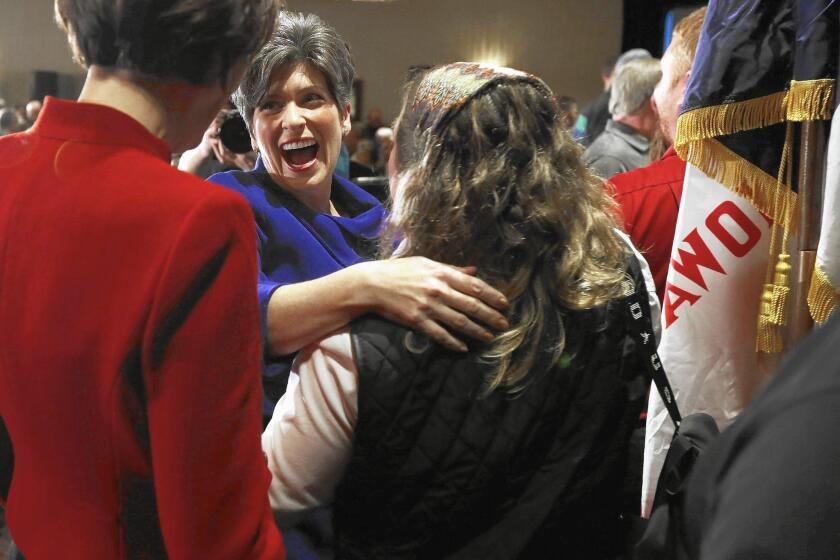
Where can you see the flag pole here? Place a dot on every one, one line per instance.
(811, 176)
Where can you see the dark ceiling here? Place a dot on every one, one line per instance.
(644, 22)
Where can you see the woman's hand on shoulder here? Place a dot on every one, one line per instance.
(428, 296)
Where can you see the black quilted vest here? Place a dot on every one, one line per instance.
(437, 471)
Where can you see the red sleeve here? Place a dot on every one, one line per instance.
(624, 203)
(202, 364)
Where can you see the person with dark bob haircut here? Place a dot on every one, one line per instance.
(317, 231)
(130, 364)
(517, 448)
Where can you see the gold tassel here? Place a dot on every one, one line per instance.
(822, 296)
(772, 316)
(773, 313)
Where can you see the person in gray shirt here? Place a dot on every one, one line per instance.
(625, 142)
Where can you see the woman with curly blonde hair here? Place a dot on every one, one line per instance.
(520, 444)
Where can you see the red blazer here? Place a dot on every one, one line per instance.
(130, 356)
(649, 198)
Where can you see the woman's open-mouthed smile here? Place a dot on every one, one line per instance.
(297, 129)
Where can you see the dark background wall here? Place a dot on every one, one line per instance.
(644, 22)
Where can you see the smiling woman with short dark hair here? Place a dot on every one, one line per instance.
(317, 231)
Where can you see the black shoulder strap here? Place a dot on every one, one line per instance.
(641, 328)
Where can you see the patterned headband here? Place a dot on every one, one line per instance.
(446, 88)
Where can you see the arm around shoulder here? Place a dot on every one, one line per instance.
(414, 291)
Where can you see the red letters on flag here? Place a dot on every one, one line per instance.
(739, 240)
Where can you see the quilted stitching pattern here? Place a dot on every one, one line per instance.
(435, 468)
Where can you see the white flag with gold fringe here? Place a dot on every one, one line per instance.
(711, 302)
(824, 293)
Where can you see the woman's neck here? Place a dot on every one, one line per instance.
(120, 92)
(318, 199)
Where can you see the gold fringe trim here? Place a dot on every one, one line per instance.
(822, 296)
(729, 118)
(696, 143)
(809, 100)
(745, 179)
(812, 100)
